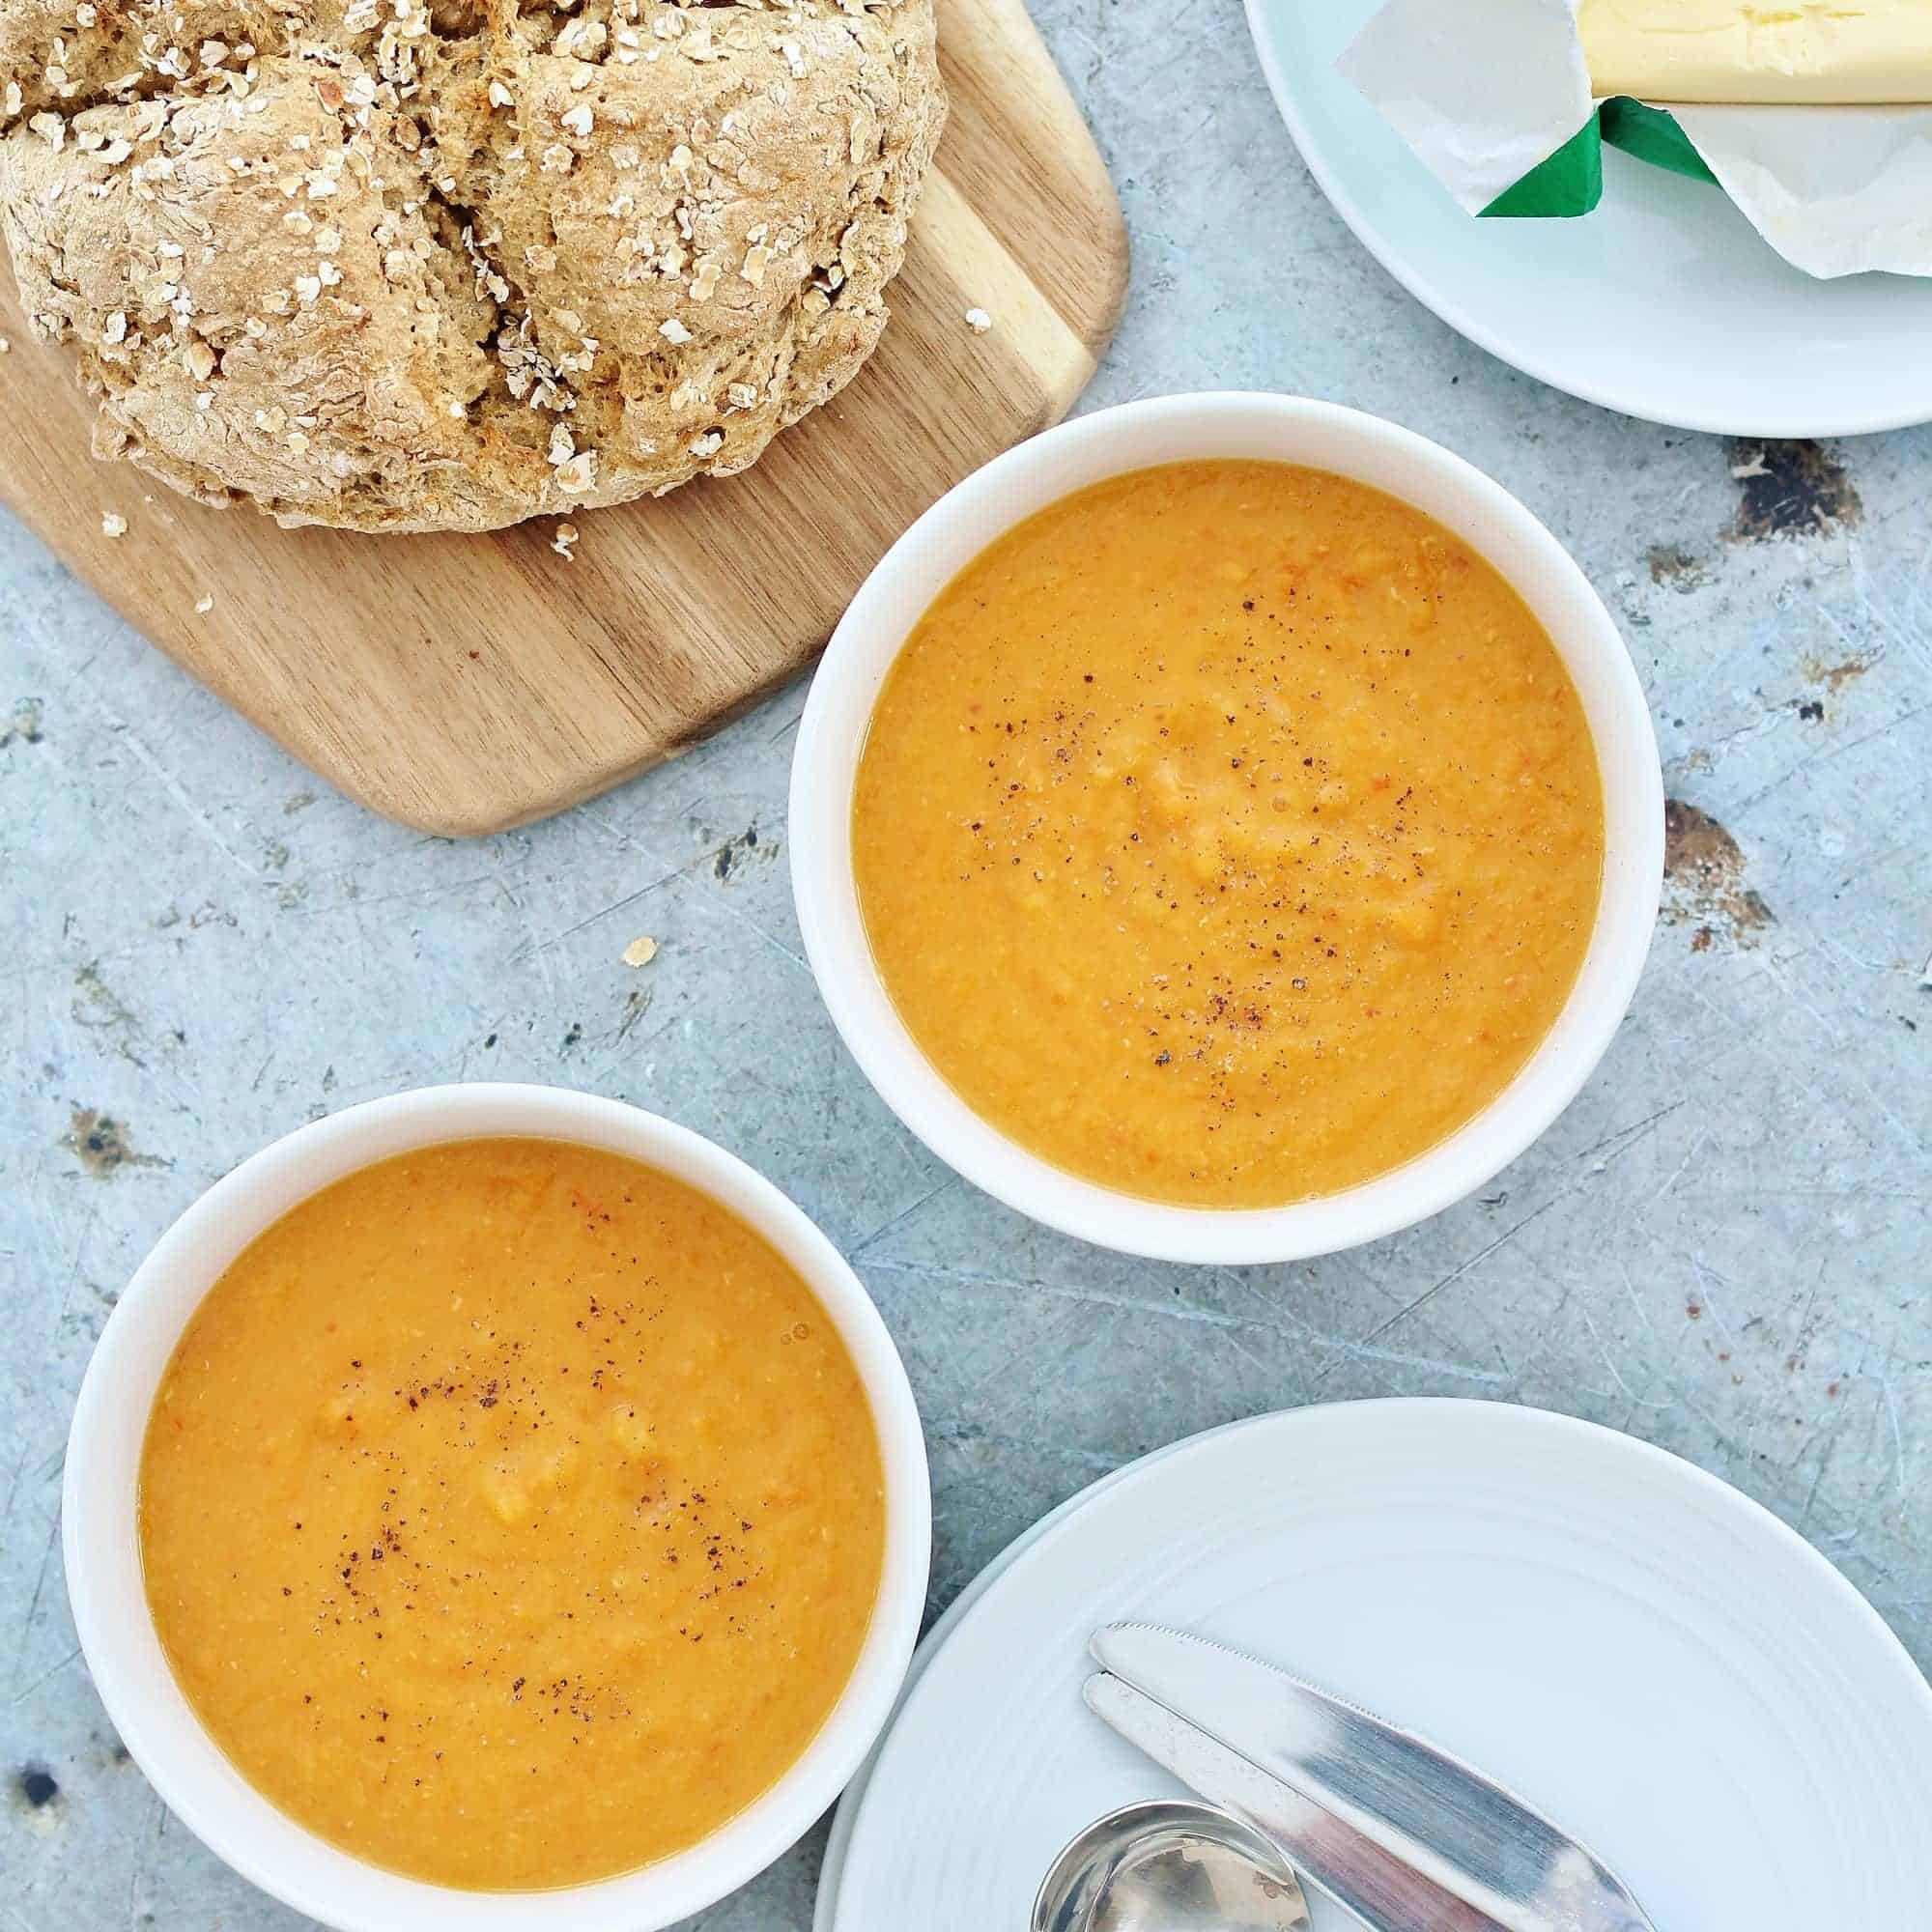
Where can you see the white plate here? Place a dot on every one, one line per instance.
(1665, 303)
(1636, 1648)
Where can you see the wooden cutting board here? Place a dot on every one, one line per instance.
(462, 684)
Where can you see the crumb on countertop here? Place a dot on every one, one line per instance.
(114, 524)
(640, 952)
(978, 321)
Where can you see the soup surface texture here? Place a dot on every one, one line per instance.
(1228, 833)
(512, 1514)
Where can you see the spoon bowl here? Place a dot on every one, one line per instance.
(1170, 1866)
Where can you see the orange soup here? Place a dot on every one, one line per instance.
(512, 1514)
(1228, 832)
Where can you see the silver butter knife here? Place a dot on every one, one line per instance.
(1358, 1795)
(1377, 1888)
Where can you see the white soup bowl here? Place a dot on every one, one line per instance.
(1173, 429)
(103, 1559)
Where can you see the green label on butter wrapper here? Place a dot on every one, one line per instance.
(1571, 181)
(1652, 135)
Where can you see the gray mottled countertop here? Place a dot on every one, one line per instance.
(1722, 1247)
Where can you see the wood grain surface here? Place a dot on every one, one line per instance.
(466, 683)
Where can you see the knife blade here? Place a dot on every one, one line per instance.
(1463, 1832)
(1380, 1889)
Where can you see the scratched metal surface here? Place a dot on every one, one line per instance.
(1722, 1247)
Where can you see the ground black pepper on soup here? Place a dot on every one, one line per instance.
(511, 1514)
(1228, 832)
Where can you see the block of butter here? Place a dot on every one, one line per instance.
(1782, 52)
(1814, 117)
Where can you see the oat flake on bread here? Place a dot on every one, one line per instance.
(397, 266)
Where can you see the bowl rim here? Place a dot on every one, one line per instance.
(100, 1539)
(1112, 441)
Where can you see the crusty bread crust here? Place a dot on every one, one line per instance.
(397, 266)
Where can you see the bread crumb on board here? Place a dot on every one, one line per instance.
(203, 605)
(565, 542)
(5, 345)
(978, 321)
(114, 524)
(640, 952)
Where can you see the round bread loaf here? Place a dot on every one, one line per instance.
(403, 267)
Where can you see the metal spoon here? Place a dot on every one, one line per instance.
(1169, 1866)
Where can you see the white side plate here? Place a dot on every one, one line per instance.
(1641, 1651)
(1665, 303)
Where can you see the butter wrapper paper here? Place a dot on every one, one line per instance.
(1494, 98)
